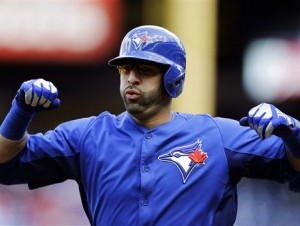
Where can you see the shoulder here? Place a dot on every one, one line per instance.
(204, 119)
(104, 116)
(79, 125)
(225, 123)
(105, 120)
(228, 129)
(190, 116)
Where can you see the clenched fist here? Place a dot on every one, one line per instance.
(37, 95)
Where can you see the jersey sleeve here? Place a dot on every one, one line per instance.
(251, 157)
(48, 158)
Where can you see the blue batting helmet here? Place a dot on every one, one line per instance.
(155, 44)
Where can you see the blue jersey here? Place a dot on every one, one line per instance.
(183, 172)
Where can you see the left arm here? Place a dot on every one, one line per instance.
(295, 162)
(292, 144)
(267, 120)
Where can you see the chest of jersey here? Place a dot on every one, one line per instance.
(163, 176)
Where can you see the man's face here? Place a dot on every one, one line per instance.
(141, 87)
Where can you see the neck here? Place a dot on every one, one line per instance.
(155, 119)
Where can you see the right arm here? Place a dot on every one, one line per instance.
(33, 96)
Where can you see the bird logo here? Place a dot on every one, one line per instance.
(141, 39)
(186, 158)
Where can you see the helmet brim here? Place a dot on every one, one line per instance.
(138, 56)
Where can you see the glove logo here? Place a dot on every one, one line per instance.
(186, 158)
(142, 39)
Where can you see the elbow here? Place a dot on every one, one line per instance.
(295, 162)
(10, 148)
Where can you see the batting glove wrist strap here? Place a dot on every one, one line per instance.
(15, 123)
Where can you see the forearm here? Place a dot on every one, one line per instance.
(13, 135)
(10, 148)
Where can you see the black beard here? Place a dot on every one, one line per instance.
(157, 97)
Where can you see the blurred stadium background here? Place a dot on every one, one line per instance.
(240, 53)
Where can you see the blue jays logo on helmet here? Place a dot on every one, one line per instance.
(186, 158)
(140, 39)
(158, 45)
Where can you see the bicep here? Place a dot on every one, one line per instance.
(249, 156)
(54, 156)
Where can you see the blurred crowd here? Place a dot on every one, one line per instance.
(54, 205)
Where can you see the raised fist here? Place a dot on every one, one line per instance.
(37, 95)
(266, 120)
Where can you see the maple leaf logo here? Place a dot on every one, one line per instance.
(198, 157)
(141, 39)
(144, 38)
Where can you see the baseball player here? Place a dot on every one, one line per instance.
(149, 165)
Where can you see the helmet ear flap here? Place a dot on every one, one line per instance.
(174, 80)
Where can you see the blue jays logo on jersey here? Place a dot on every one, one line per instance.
(142, 38)
(186, 158)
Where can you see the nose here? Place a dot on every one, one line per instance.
(133, 78)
